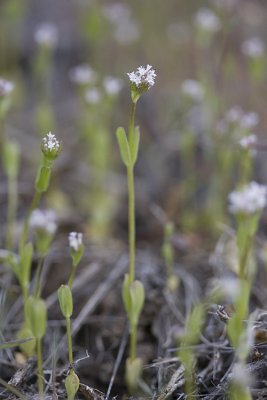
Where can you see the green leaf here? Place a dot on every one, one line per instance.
(124, 146)
(72, 385)
(134, 145)
(14, 343)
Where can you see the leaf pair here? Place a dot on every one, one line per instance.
(128, 148)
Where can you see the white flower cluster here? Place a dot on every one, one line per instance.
(143, 77)
(43, 220)
(75, 240)
(238, 117)
(83, 74)
(248, 142)
(193, 89)
(46, 34)
(250, 199)
(253, 47)
(92, 96)
(6, 87)
(50, 143)
(206, 20)
(112, 85)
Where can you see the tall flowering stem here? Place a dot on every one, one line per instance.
(132, 290)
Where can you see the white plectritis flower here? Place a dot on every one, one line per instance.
(92, 96)
(239, 118)
(193, 89)
(83, 74)
(248, 142)
(50, 142)
(206, 20)
(143, 78)
(44, 221)
(46, 34)
(250, 199)
(112, 85)
(75, 241)
(253, 47)
(6, 87)
(50, 146)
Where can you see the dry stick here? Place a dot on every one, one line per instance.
(118, 361)
(95, 299)
(11, 389)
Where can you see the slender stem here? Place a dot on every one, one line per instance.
(34, 203)
(131, 122)
(133, 333)
(131, 223)
(69, 340)
(11, 211)
(37, 291)
(25, 297)
(72, 273)
(40, 368)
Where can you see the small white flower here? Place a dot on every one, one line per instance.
(92, 96)
(115, 12)
(234, 115)
(250, 199)
(126, 31)
(43, 220)
(143, 77)
(193, 89)
(50, 143)
(112, 85)
(75, 240)
(46, 34)
(253, 47)
(6, 87)
(83, 74)
(208, 21)
(249, 120)
(248, 142)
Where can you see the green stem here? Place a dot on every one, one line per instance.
(131, 123)
(37, 291)
(69, 340)
(34, 203)
(72, 273)
(133, 342)
(40, 368)
(131, 223)
(11, 211)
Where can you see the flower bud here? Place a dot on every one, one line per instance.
(36, 313)
(65, 300)
(72, 385)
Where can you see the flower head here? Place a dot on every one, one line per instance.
(50, 146)
(92, 96)
(207, 21)
(249, 200)
(83, 74)
(6, 87)
(253, 47)
(141, 80)
(46, 34)
(43, 221)
(75, 240)
(193, 89)
(248, 142)
(112, 85)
